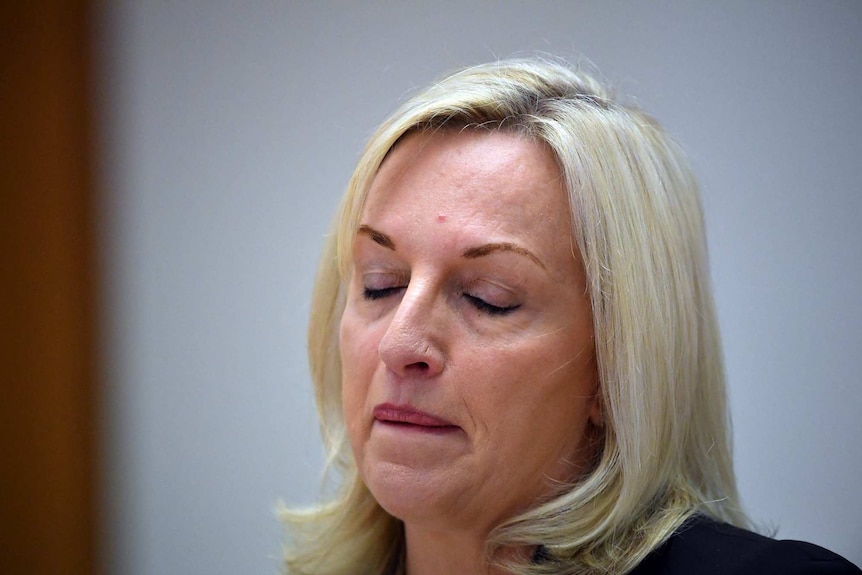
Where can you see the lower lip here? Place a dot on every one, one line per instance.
(413, 428)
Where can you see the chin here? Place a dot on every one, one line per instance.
(409, 494)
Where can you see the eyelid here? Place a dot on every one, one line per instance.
(380, 285)
(493, 294)
(489, 308)
(377, 280)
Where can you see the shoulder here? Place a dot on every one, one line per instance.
(709, 547)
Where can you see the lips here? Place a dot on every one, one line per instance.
(407, 415)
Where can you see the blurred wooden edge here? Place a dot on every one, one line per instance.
(48, 271)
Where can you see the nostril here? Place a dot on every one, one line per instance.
(419, 365)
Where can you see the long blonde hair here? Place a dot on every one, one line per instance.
(638, 222)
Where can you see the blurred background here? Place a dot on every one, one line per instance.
(169, 172)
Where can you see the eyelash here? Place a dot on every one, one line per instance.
(477, 302)
(488, 308)
(375, 294)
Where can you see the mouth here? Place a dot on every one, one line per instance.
(411, 419)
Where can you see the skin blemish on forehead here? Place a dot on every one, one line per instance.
(441, 218)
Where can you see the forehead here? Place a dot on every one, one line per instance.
(449, 192)
(496, 173)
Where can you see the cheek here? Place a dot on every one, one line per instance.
(358, 363)
(536, 400)
(359, 344)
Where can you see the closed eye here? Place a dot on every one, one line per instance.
(488, 308)
(374, 294)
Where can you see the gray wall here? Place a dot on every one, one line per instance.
(230, 130)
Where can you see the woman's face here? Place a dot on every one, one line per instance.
(469, 381)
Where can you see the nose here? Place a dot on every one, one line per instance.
(412, 346)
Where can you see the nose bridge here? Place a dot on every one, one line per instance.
(411, 341)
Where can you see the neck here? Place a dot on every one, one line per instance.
(431, 552)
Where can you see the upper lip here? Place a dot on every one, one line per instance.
(408, 414)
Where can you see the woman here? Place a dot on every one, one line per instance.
(514, 347)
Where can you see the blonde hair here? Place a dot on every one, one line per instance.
(638, 222)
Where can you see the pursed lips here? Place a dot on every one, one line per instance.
(408, 415)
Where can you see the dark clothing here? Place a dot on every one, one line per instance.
(706, 547)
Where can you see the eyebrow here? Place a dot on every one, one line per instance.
(378, 237)
(486, 249)
(470, 253)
